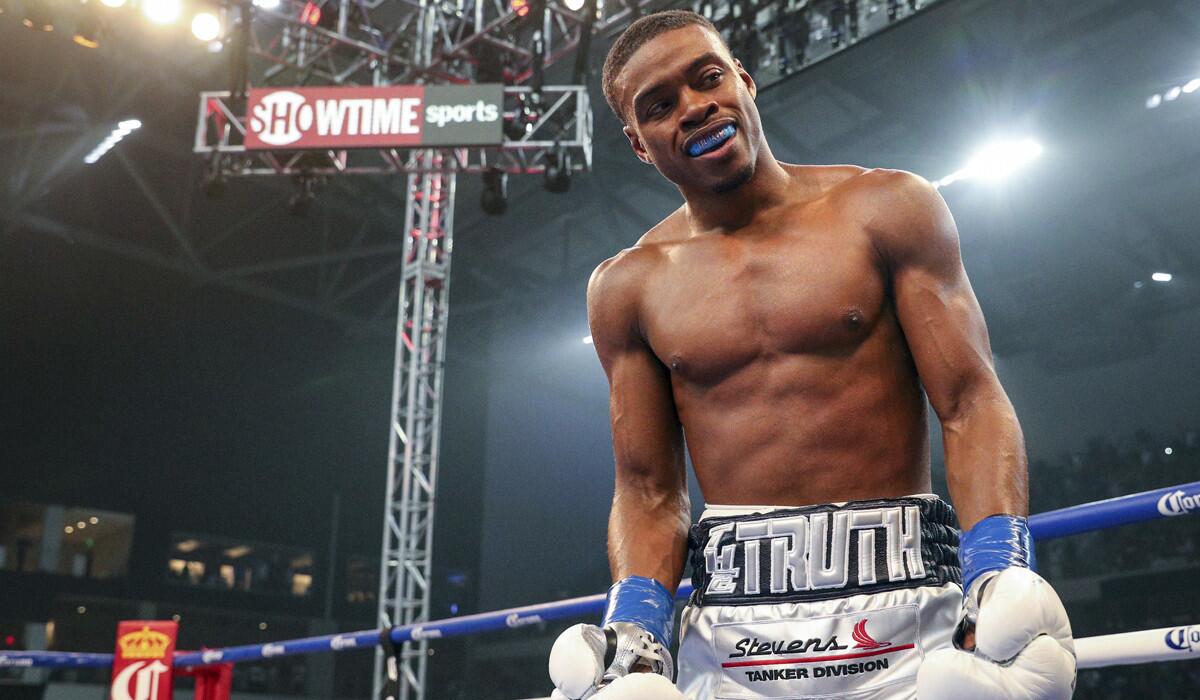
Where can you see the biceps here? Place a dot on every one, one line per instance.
(946, 334)
(647, 439)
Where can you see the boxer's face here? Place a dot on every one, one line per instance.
(689, 110)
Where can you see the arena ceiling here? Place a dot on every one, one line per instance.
(1054, 253)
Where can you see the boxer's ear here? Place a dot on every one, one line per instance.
(635, 142)
(746, 78)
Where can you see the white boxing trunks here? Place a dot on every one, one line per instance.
(827, 601)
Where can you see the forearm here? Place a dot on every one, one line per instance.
(986, 466)
(647, 533)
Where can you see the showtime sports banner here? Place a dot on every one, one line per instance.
(375, 117)
(142, 664)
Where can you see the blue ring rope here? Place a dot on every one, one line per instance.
(1099, 515)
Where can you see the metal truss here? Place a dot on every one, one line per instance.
(413, 446)
(353, 48)
(562, 126)
(383, 42)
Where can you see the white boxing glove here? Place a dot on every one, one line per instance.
(1023, 644)
(586, 658)
(640, 686)
(635, 637)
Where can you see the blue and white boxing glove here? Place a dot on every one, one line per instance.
(636, 636)
(1023, 645)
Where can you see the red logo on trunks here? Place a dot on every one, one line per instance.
(864, 640)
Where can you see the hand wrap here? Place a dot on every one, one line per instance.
(1023, 646)
(636, 636)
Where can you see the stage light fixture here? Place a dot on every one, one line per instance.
(494, 198)
(162, 11)
(1191, 86)
(301, 202)
(214, 186)
(206, 26)
(1153, 101)
(1173, 94)
(1162, 277)
(557, 176)
(574, 5)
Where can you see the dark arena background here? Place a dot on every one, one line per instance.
(198, 342)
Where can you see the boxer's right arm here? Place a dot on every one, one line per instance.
(648, 524)
(647, 532)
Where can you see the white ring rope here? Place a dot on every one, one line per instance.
(1145, 646)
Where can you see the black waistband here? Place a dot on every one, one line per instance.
(824, 551)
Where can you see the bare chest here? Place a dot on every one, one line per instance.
(720, 304)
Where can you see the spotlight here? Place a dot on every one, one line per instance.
(87, 29)
(1173, 93)
(311, 14)
(494, 198)
(557, 176)
(995, 161)
(1153, 101)
(38, 16)
(574, 5)
(206, 26)
(587, 339)
(1191, 86)
(319, 14)
(1162, 277)
(123, 129)
(162, 11)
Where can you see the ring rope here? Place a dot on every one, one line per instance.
(1163, 644)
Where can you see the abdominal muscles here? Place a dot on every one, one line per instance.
(796, 429)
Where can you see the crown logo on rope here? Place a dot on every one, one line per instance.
(144, 644)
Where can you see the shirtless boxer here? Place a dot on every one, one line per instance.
(790, 320)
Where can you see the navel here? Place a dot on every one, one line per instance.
(853, 317)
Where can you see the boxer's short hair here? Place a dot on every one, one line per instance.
(635, 36)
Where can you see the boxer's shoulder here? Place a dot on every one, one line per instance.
(902, 213)
(895, 193)
(620, 279)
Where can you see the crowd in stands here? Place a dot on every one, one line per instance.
(1126, 578)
